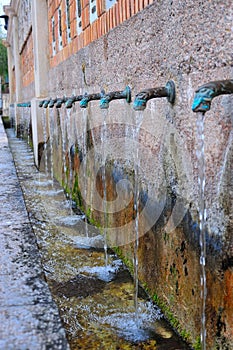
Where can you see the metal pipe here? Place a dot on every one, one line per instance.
(86, 98)
(142, 97)
(205, 94)
(115, 95)
(60, 101)
(52, 102)
(73, 99)
(41, 103)
(46, 103)
(24, 104)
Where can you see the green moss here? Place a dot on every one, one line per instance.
(171, 318)
(125, 260)
(76, 193)
(197, 345)
(166, 237)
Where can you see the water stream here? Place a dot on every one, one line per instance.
(28, 123)
(96, 302)
(68, 136)
(84, 159)
(202, 219)
(45, 137)
(103, 173)
(51, 136)
(138, 123)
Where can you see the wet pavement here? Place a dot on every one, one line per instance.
(29, 318)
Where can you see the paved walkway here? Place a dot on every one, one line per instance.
(29, 318)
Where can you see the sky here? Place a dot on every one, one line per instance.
(2, 3)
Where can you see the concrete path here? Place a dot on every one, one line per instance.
(29, 318)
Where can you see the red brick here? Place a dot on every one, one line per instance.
(123, 8)
(85, 17)
(80, 41)
(110, 18)
(107, 21)
(100, 7)
(132, 8)
(64, 38)
(104, 23)
(93, 31)
(74, 45)
(85, 3)
(128, 9)
(87, 36)
(114, 21)
(72, 11)
(116, 14)
(120, 11)
(98, 27)
(66, 52)
(63, 21)
(141, 5)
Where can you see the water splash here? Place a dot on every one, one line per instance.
(200, 152)
(138, 122)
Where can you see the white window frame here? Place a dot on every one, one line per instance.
(60, 44)
(68, 21)
(53, 37)
(79, 16)
(109, 4)
(93, 10)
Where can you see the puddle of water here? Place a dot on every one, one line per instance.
(96, 301)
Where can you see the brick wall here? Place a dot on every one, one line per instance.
(106, 20)
(27, 61)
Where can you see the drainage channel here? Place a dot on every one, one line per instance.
(95, 301)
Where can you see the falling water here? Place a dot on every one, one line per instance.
(103, 151)
(84, 159)
(68, 133)
(95, 162)
(21, 126)
(202, 219)
(44, 126)
(28, 121)
(51, 134)
(138, 122)
(63, 137)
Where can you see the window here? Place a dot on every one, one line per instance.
(59, 30)
(79, 16)
(93, 11)
(110, 3)
(68, 20)
(53, 37)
